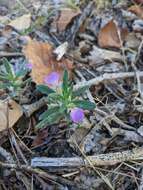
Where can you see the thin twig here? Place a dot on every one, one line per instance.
(105, 77)
(17, 147)
(98, 160)
(22, 143)
(30, 109)
(10, 54)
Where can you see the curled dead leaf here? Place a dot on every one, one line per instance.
(136, 9)
(110, 36)
(66, 17)
(43, 61)
(14, 113)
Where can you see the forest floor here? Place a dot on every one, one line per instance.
(71, 95)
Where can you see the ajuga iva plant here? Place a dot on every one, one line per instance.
(11, 77)
(63, 101)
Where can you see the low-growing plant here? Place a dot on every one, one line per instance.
(63, 101)
(11, 77)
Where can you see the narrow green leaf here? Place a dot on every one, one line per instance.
(2, 86)
(21, 73)
(65, 77)
(42, 123)
(2, 77)
(80, 91)
(8, 67)
(26, 81)
(70, 90)
(45, 89)
(49, 112)
(86, 105)
(65, 82)
(54, 118)
(55, 96)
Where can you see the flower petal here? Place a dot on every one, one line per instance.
(52, 79)
(29, 66)
(77, 115)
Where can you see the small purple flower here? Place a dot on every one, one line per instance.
(29, 66)
(77, 115)
(52, 79)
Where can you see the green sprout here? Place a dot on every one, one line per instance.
(63, 101)
(11, 78)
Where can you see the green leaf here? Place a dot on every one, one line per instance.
(51, 116)
(26, 81)
(8, 67)
(49, 112)
(2, 77)
(65, 82)
(54, 118)
(65, 78)
(21, 73)
(54, 98)
(86, 105)
(42, 123)
(45, 89)
(70, 89)
(2, 86)
(80, 91)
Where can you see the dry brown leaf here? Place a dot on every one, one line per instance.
(40, 55)
(109, 36)
(15, 112)
(65, 18)
(136, 9)
(21, 23)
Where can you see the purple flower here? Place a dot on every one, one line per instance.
(52, 79)
(29, 66)
(77, 115)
